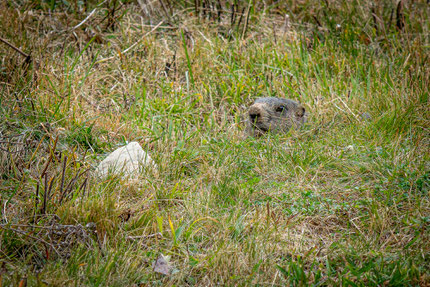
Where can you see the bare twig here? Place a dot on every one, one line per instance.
(111, 16)
(158, 234)
(274, 33)
(165, 9)
(391, 19)
(15, 48)
(83, 186)
(63, 175)
(85, 20)
(220, 9)
(50, 157)
(45, 195)
(144, 36)
(196, 8)
(247, 19)
(50, 187)
(240, 18)
(36, 198)
(233, 18)
(400, 23)
(375, 21)
(30, 236)
(12, 152)
(317, 21)
(71, 184)
(132, 46)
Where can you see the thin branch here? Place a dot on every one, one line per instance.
(400, 23)
(15, 48)
(158, 234)
(85, 20)
(246, 20)
(63, 175)
(30, 236)
(132, 46)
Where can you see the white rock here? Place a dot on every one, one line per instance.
(161, 265)
(349, 148)
(126, 160)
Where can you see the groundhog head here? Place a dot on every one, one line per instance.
(274, 115)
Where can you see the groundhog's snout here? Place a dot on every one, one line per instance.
(275, 115)
(255, 113)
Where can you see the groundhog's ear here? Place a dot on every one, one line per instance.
(300, 112)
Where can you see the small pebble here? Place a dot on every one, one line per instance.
(366, 116)
(349, 148)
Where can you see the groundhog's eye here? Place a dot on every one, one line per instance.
(280, 109)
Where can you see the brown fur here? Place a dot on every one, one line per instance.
(274, 115)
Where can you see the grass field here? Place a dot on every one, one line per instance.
(342, 201)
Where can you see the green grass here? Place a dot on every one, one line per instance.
(342, 201)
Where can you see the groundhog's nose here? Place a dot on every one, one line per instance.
(254, 115)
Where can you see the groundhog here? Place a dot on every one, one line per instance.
(274, 115)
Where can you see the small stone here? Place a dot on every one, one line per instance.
(161, 265)
(127, 160)
(366, 116)
(319, 99)
(91, 225)
(349, 148)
